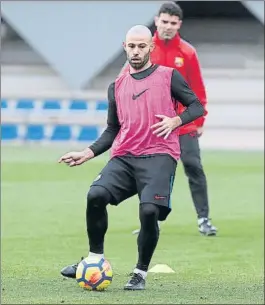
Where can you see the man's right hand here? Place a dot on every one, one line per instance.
(75, 158)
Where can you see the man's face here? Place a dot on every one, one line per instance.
(138, 51)
(167, 26)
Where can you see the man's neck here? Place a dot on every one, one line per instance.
(166, 41)
(146, 66)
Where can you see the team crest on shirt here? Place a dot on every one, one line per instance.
(179, 61)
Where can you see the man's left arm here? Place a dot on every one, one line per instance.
(182, 93)
(196, 83)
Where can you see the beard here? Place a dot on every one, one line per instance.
(167, 36)
(137, 65)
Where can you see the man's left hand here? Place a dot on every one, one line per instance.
(166, 125)
(200, 131)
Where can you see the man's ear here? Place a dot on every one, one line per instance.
(152, 46)
(180, 24)
(124, 46)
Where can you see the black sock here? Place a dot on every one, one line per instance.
(97, 217)
(148, 236)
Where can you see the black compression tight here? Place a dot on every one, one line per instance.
(149, 234)
(97, 217)
(97, 225)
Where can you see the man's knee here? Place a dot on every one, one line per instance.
(191, 162)
(98, 197)
(194, 169)
(149, 210)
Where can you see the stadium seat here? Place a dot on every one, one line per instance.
(88, 133)
(51, 105)
(34, 132)
(102, 105)
(25, 104)
(4, 104)
(61, 133)
(9, 132)
(78, 105)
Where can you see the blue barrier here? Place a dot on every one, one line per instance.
(4, 104)
(35, 132)
(88, 133)
(54, 104)
(25, 104)
(50, 131)
(9, 131)
(102, 105)
(51, 105)
(78, 105)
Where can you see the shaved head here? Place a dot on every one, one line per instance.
(138, 45)
(139, 31)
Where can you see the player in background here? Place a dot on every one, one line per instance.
(142, 130)
(172, 51)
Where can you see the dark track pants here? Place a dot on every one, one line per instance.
(191, 159)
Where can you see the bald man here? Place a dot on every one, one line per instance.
(142, 132)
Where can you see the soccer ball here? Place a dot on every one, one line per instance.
(94, 274)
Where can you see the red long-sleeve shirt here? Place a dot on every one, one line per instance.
(179, 54)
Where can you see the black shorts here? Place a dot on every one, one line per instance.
(151, 177)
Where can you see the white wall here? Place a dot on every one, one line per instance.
(235, 102)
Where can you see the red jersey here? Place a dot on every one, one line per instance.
(180, 55)
(138, 101)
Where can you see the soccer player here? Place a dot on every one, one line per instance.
(142, 130)
(172, 51)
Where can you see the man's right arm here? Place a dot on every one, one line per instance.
(104, 142)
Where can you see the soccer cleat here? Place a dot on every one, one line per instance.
(206, 228)
(137, 282)
(137, 231)
(70, 271)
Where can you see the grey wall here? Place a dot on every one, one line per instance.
(77, 38)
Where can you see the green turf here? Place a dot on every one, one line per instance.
(43, 229)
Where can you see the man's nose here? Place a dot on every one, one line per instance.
(135, 51)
